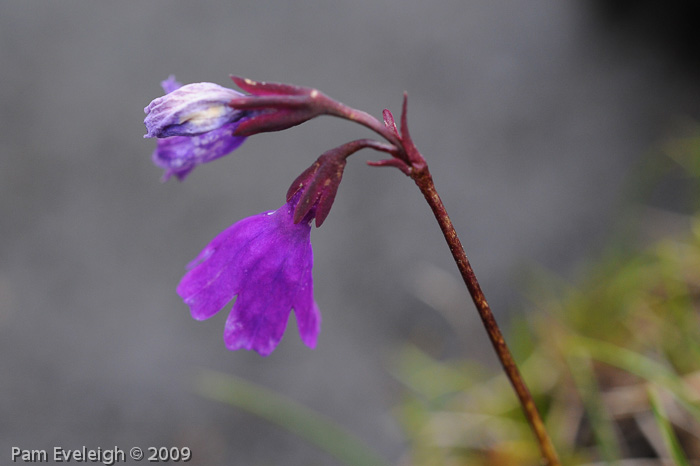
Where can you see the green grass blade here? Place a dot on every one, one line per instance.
(639, 365)
(288, 414)
(669, 437)
(601, 424)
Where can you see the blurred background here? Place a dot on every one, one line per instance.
(532, 115)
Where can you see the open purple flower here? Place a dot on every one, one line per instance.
(194, 123)
(266, 260)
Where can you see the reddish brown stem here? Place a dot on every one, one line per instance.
(414, 165)
(425, 183)
(333, 107)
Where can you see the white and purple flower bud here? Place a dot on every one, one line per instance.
(191, 110)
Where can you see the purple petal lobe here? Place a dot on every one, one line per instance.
(306, 311)
(171, 84)
(213, 280)
(179, 155)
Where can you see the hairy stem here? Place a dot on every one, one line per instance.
(425, 183)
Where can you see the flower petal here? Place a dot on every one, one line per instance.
(257, 321)
(216, 279)
(306, 310)
(171, 84)
(179, 155)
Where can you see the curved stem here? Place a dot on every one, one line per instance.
(349, 148)
(425, 183)
(335, 108)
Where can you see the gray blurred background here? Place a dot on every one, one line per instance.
(531, 115)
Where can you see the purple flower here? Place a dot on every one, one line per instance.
(266, 260)
(194, 123)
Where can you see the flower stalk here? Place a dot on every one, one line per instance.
(425, 183)
(410, 161)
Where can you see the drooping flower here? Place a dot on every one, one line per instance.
(201, 122)
(194, 123)
(266, 261)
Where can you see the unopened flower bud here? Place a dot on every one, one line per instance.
(191, 110)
